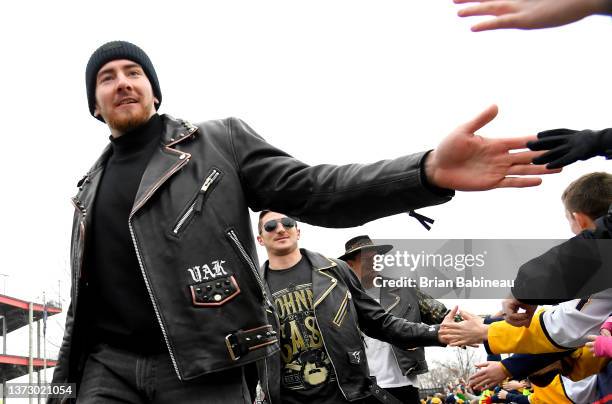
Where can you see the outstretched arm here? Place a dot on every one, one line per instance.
(531, 14)
(465, 161)
(376, 323)
(350, 195)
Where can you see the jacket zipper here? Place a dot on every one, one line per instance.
(328, 355)
(81, 255)
(77, 204)
(232, 235)
(314, 309)
(196, 205)
(141, 265)
(153, 300)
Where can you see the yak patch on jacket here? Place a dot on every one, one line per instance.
(214, 286)
(207, 273)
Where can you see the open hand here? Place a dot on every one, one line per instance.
(489, 375)
(513, 385)
(448, 319)
(530, 14)
(470, 331)
(465, 161)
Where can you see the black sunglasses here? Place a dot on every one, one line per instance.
(287, 222)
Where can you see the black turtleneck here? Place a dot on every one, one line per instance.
(122, 314)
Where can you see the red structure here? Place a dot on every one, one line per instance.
(14, 314)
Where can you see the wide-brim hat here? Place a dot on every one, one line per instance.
(363, 243)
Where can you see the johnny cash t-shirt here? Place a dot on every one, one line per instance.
(307, 374)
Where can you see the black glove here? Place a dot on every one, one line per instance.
(566, 146)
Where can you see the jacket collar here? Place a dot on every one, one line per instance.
(88, 184)
(390, 298)
(164, 162)
(176, 130)
(318, 261)
(322, 281)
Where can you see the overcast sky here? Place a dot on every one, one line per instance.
(327, 81)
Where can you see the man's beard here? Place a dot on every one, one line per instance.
(124, 123)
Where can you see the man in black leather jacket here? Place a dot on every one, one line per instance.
(394, 368)
(322, 309)
(164, 268)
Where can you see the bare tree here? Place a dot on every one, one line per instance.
(454, 370)
(437, 378)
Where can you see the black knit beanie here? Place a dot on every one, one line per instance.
(113, 51)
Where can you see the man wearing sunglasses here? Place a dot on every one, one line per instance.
(322, 309)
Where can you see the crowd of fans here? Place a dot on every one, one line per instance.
(560, 352)
(510, 391)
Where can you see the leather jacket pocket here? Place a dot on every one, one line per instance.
(215, 292)
(342, 310)
(194, 207)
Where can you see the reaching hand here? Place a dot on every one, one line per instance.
(600, 345)
(566, 146)
(531, 14)
(591, 344)
(502, 394)
(470, 331)
(510, 309)
(448, 319)
(467, 162)
(489, 375)
(606, 327)
(513, 385)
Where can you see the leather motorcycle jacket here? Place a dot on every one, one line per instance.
(192, 234)
(415, 306)
(343, 309)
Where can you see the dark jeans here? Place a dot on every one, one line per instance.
(406, 394)
(116, 376)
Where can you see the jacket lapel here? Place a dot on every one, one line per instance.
(322, 282)
(88, 185)
(390, 299)
(165, 160)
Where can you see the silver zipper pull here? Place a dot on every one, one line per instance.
(207, 183)
(209, 180)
